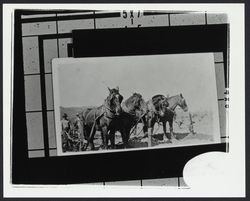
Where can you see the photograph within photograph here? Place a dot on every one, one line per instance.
(107, 104)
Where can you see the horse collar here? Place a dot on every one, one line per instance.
(108, 110)
(131, 112)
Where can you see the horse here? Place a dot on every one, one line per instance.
(102, 118)
(174, 101)
(156, 108)
(133, 109)
(169, 113)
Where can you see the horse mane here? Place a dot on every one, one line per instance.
(171, 97)
(131, 99)
(136, 95)
(172, 100)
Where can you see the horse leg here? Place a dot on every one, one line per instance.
(125, 137)
(102, 139)
(89, 138)
(151, 124)
(83, 137)
(164, 124)
(168, 135)
(145, 127)
(145, 130)
(91, 144)
(105, 137)
(122, 131)
(112, 138)
(152, 127)
(171, 129)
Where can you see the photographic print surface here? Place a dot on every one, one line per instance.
(108, 104)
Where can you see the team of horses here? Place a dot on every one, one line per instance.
(118, 115)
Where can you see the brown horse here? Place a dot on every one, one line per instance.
(173, 101)
(102, 118)
(167, 114)
(133, 109)
(156, 108)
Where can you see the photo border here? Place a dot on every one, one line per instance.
(238, 144)
(70, 61)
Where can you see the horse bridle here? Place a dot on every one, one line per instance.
(106, 113)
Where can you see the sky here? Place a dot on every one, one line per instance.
(84, 81)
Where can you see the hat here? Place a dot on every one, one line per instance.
(65, 115)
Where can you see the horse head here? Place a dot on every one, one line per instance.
(177, 100)
(114, 100)
(116, 92)
(139, 104)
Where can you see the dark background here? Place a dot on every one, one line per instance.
(247, 90)
(145, 164)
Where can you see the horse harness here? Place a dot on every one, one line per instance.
(125, 109)
(104, 113)
(107, 114)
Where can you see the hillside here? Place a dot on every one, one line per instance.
(71, 111)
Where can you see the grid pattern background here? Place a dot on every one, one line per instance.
(48, 36)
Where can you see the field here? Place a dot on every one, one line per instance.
(202, 127)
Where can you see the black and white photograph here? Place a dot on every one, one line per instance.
(123, 100)
(134, 102)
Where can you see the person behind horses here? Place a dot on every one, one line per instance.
(78, 122)
(77, 125)
(65, 123)
(65, 132)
